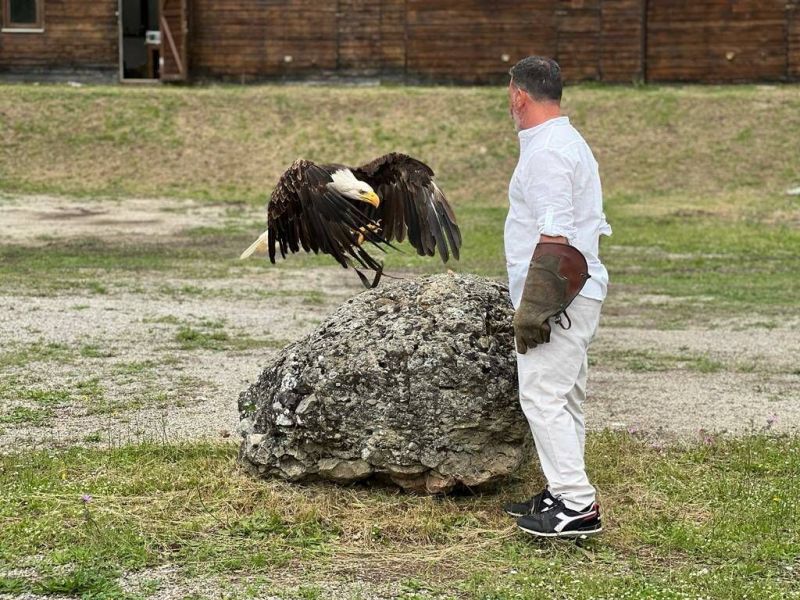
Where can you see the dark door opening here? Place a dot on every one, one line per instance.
(140, 39)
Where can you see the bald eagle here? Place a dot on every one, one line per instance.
(336, 210)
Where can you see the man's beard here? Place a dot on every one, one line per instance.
(516, 119)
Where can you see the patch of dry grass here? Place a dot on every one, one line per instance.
(231, 143)
(695, 177)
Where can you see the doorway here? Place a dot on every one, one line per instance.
(140, 40)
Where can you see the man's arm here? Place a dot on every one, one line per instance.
(548, 189)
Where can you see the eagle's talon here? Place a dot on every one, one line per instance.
(361, 230)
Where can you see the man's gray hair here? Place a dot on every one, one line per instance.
(539, 76)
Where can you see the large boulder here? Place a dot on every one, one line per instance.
(414, 382)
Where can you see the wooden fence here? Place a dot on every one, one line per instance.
(476, 41)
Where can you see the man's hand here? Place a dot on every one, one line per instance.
(553, 240)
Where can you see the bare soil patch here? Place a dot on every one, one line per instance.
(32, 219)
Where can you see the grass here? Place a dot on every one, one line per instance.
(694, 181)
(191, 338)
(93, 438)
(34, 352)
(671, 529)
(653, 360)
(77, 265)
(125, 387)
(94, 351)
(209, 334)
(695, 197)
(242, 139)
(88, 392)
(23, 415)
(46, 397)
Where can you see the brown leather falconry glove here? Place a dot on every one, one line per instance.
(556, 274)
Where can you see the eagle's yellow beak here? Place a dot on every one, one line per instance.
(371, 198)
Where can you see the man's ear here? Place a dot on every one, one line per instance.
(519, 97)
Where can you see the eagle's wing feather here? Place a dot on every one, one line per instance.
(304, 212)
(411, 204)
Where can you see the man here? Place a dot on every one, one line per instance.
(555, 208)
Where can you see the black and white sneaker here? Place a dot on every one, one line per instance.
(557, 520)
(531, 506)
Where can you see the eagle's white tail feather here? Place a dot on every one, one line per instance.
(259, 246)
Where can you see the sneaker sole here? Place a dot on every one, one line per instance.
(570, 534)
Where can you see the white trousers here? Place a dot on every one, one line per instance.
(552, 389)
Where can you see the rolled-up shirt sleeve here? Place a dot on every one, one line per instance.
(547, 189)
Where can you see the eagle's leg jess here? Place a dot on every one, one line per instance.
(362, 277)
(360, 237)
(377, 278)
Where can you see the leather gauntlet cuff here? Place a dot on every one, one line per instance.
(568, 263)
(556, 274)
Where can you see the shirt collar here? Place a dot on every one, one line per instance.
(526, 135)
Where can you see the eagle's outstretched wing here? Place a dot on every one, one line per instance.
(304, 211)
(412, 203)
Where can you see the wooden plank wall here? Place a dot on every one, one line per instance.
(359, 33)
(393, 38)
(472, 40)
(793, 39)
(248, 39)
(717, 40)
(622, 30)
(579, 39)
(77, 35)
(463, 41)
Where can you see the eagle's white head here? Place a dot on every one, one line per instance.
(346, 184)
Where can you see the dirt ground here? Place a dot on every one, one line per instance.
(115, 367)
(43, 218)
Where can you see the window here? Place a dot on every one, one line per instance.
(23, 14)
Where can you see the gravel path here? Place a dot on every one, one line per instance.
(170, 583)
(752, 379)
(187, 393)
(111, 368)
(735, 381)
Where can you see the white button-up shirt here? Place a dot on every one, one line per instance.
(555, 191)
